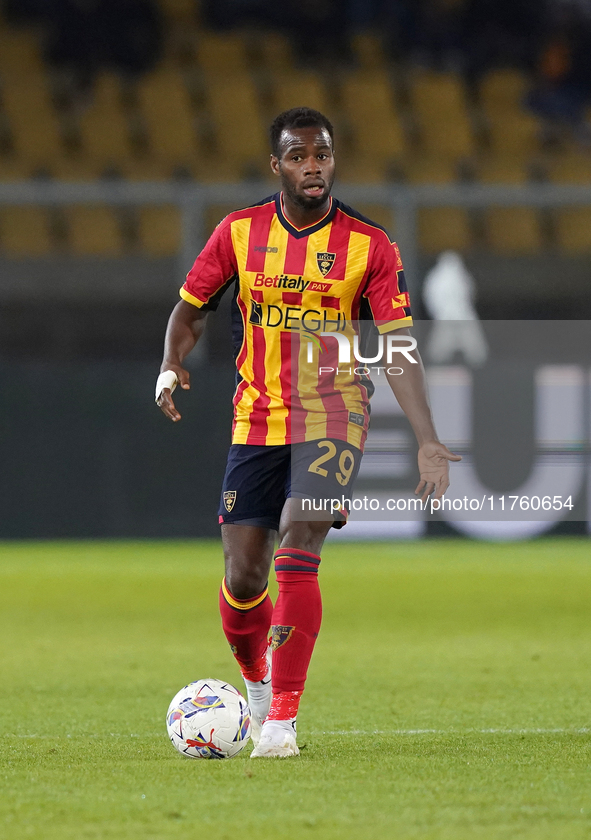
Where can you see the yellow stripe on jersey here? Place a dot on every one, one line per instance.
(191, 298)
(395, 325)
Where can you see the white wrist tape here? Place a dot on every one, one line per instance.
(167, 379)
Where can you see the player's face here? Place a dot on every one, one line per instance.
(306, 166)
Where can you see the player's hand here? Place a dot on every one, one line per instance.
(164, 401)
(434, 458)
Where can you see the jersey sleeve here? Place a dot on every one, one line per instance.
(386, 289)
(214, 269)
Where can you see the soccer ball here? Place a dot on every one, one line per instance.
(208, 719)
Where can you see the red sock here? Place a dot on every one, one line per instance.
(246, 625)
(296, 618)
(284, 705)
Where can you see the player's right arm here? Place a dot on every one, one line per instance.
(185, 328)
(214, 270)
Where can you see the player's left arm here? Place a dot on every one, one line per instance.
(410, 389)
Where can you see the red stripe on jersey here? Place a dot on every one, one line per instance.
(330, 302)
(356, 302)
(260, 227)
(297, 414)
(285, 378)
(260, 410)
(338, 243)
(337, 415)
(295, 255)
(256, 294)
(292, 298)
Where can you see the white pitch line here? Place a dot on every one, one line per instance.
(557, 731)
(340, 733)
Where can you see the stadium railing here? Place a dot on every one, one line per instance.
(193, 201)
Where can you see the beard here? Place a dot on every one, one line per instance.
(306, 202)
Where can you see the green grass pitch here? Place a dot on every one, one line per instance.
(448, 698)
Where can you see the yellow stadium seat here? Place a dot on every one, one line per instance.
(184, 10)
(572, 225)
(510, 230)
(574, 167)
(222, 54)
(376, 129)
(32, 119)
(19, 52)
(299, 88)
(354, 169)
(573, 230)
(94, 231)
(235, 111)
(13, 168)
(25, 231)
(439, 228)
(148, 169)
(378, 213)
(276, 53)
(368, 51)
(76, 168)
(502, 90)
(166, 108)
(104, 129)
(159, 230)
(512, 129)
(440, 110)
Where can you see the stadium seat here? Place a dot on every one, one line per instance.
(574, 167)
(146, 168)
(299, 88)
(510, 230)
(378, 213)
(25, 231)
(440, 111)
(19, 52)
(220, 54)
(368, 51)
(166, 108)
(512, 130)
(276, 53)
(439, 228)
(13, 168)
(375, 127)
(76, 168)
(241, 142)
(93, 231)
(159, 230)
(184, 10)
(572, 225)
(32, 120)
(104, 128)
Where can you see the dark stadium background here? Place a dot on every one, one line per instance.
(178, 93)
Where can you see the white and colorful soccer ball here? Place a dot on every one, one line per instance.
(208, 719)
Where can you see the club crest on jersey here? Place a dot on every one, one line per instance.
(280, 634)
(325, 262)
(229, 499)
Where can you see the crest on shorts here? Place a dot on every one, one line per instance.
(229, 499)
(325, 261)
(280, 634)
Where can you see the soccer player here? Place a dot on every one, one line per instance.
(298, 262)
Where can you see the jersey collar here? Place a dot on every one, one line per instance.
(299, 233)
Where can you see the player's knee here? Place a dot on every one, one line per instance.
(244, 583)
(307, 536)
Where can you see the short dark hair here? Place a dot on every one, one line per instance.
(297, 118)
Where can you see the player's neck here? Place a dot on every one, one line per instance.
(300, 217)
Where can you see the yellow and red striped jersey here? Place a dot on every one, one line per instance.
(289, 284)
